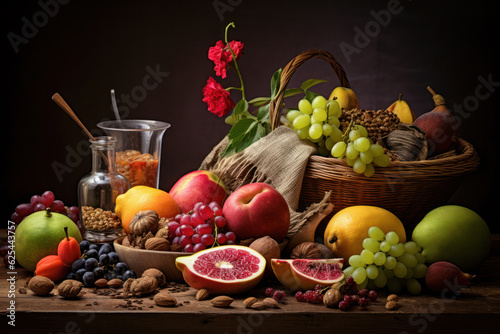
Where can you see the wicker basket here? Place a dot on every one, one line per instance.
(409, 189)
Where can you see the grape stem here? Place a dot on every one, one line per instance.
(345, 136)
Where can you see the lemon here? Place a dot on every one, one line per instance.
(348, 228)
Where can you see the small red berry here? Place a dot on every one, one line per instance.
(363, 292)
(363, 301)
(269, 292)
(344, 306)
(300, 296)
(278, 295)
(372, 295)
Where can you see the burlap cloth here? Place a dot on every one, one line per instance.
(279, 159)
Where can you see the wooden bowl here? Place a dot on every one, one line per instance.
(141, 259)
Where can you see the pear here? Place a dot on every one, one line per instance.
(346, 98)
(401, 108)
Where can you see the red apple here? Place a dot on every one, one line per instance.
(256, 210)
(198, 186)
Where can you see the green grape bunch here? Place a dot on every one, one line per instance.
(385, 262)
(318, 122)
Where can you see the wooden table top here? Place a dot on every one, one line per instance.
(472, 310)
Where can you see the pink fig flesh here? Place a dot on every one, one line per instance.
(444, 276)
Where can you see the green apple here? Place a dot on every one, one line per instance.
(39, 234)
(455, 234)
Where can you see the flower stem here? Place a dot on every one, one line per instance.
(234, 61)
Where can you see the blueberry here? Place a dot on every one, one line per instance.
(113, 258)
(121, 267)
(129, 274)
(110, 275)
(91, 263)
(104, 259)
(84, 245)
(78, 264)
(105, 249)
(79, 274)
(92, 253)
(99, 272)
(88, 279)
(94, 246)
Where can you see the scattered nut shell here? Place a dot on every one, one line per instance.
(164, 299)
(392, 305)
(306, 250)
(222, 301)
(41, 285)
(249, 301)
(270, 303)
(101, 283)
(202, 294)
(69, 288)
(115, 283)
(157, 274)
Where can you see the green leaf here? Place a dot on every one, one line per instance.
(263, 112)
(310, 82)
(310, 95)
(293, 91)
(275, 83)
(239, 136)
(240, 107)
(258, 101)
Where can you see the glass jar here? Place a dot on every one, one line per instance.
(97, 193)
(138, 149)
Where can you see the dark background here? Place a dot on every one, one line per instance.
(86, 48)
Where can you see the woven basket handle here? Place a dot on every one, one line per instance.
(276, 105)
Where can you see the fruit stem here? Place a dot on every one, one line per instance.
(48, 212)
(438, 99)
(66, 231)
(345, 136)
(400, 96)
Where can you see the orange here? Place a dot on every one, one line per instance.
(347, 229)
(140, 198)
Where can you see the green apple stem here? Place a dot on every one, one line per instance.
(66, 231)
(48, 212)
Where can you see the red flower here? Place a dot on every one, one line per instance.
(222, 56)
(217, 98)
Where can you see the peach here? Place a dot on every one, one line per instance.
(256, 210)
(198, 186)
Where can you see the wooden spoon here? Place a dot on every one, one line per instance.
(64, 106)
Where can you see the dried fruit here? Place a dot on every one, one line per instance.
(270, 303)
(140, 286)
(250, 301)
(157, 274)
(202, 294)
(222, 301)
(115, 283)
(223, 269)
(143, 222)
(269, 249)
(165, 299)
(392, 305)
(158, 244)
(306, 250)
(332, 297)
(69, 288)
(305, 274)
(41, 285)
(101, 283)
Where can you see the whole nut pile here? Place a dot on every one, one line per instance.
(97, 219)
(378, 123)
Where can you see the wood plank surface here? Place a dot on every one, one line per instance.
(472, 310)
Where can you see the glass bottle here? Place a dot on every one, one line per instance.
(97, 192)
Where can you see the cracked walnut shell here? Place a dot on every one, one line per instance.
(69, 288)
(306, 250)
(144, 222)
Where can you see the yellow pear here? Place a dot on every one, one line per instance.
(346, 98)
(402, 110)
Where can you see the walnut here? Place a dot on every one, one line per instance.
(144, 222)
(162, 233)
(140, 286)
(306, 250)
(156, 274)
(41, 285)
(163, 222)
(158, 244)
(69, 288)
